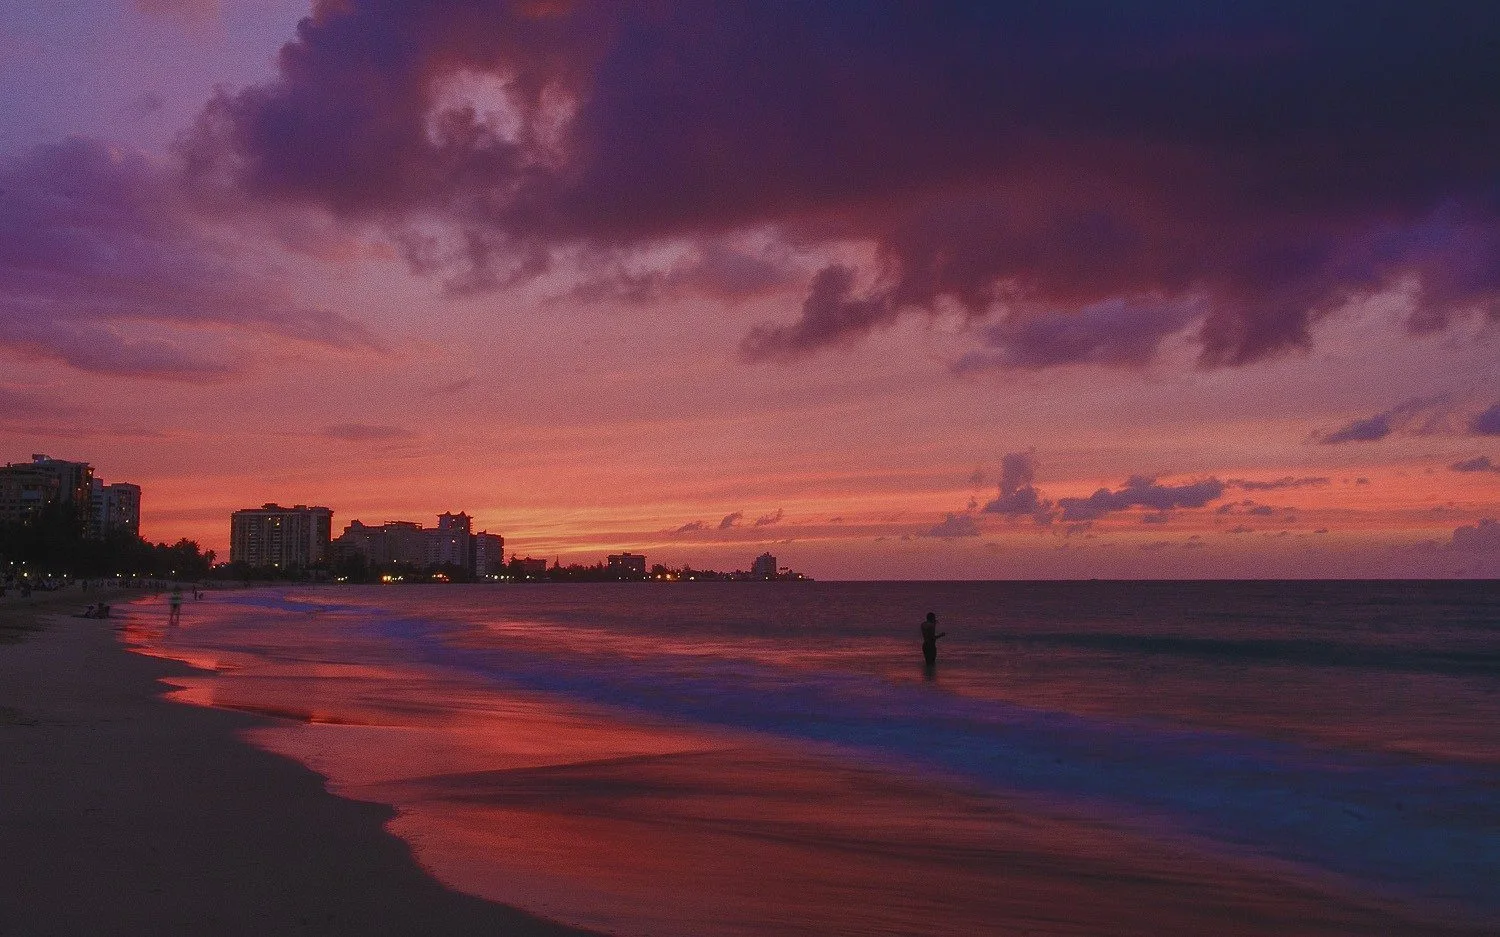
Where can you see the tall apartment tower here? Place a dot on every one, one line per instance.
(116, 507)
(24, 491)
(764, 567)
(452, 543)
(74, 479)
(286, 538)
(489, 554)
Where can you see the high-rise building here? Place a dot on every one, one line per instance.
(286, 538)
(74, 479)
(450, 544)
(116, 507)
(44, 480)
(489, 554)
(27, 487)
(764, 567)
(627, 565)
(24, 491)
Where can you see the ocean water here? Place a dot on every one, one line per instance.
(752, 758)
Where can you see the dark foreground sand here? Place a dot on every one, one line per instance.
(123, 814)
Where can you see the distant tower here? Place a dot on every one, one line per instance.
(764, 567)
(452, 543)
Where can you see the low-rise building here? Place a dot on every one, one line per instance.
(627, 565)
(452, 543)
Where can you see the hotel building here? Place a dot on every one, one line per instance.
(286, 538)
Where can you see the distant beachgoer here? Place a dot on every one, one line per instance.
(103, 610)
(930, 636)
(91, 612)
(174, 602)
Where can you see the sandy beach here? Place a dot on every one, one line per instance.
(122, 813)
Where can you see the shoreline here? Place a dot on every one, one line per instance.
(123, 812)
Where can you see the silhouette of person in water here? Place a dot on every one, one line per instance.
(174, 603)
(930, 636)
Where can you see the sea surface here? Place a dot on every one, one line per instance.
(773, 758)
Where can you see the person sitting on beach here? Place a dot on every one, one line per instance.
(930, 636)
(91, 612)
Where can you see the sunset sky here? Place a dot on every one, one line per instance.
(892, 290)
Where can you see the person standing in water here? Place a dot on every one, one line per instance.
(174, 604)
(930, 636)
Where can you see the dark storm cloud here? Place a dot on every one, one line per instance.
(1234, 169)
(1486, 423)
(103, 266)
(1141, 491)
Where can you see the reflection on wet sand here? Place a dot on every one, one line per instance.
(648, 829)
(635, 825)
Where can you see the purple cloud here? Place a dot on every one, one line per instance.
(1141, 491)
(1023, 160)
(766, 520)
(832, 314)
(689, 527)
(1486, 423)
(1479, 463)
(1483, 537)
(105, 266)
(1286, 481)
(1018, 496)
(1113, 333)
(1418, 415)
(955, 525)
(730, 520)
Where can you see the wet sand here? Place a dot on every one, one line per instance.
(122, 813)
(615, 820)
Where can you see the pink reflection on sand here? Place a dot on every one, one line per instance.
(638, 827)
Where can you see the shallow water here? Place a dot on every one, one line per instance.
(725, 758)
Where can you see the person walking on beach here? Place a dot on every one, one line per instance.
(174, 604)
(930, 636)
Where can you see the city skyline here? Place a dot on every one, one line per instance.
(870, 312)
